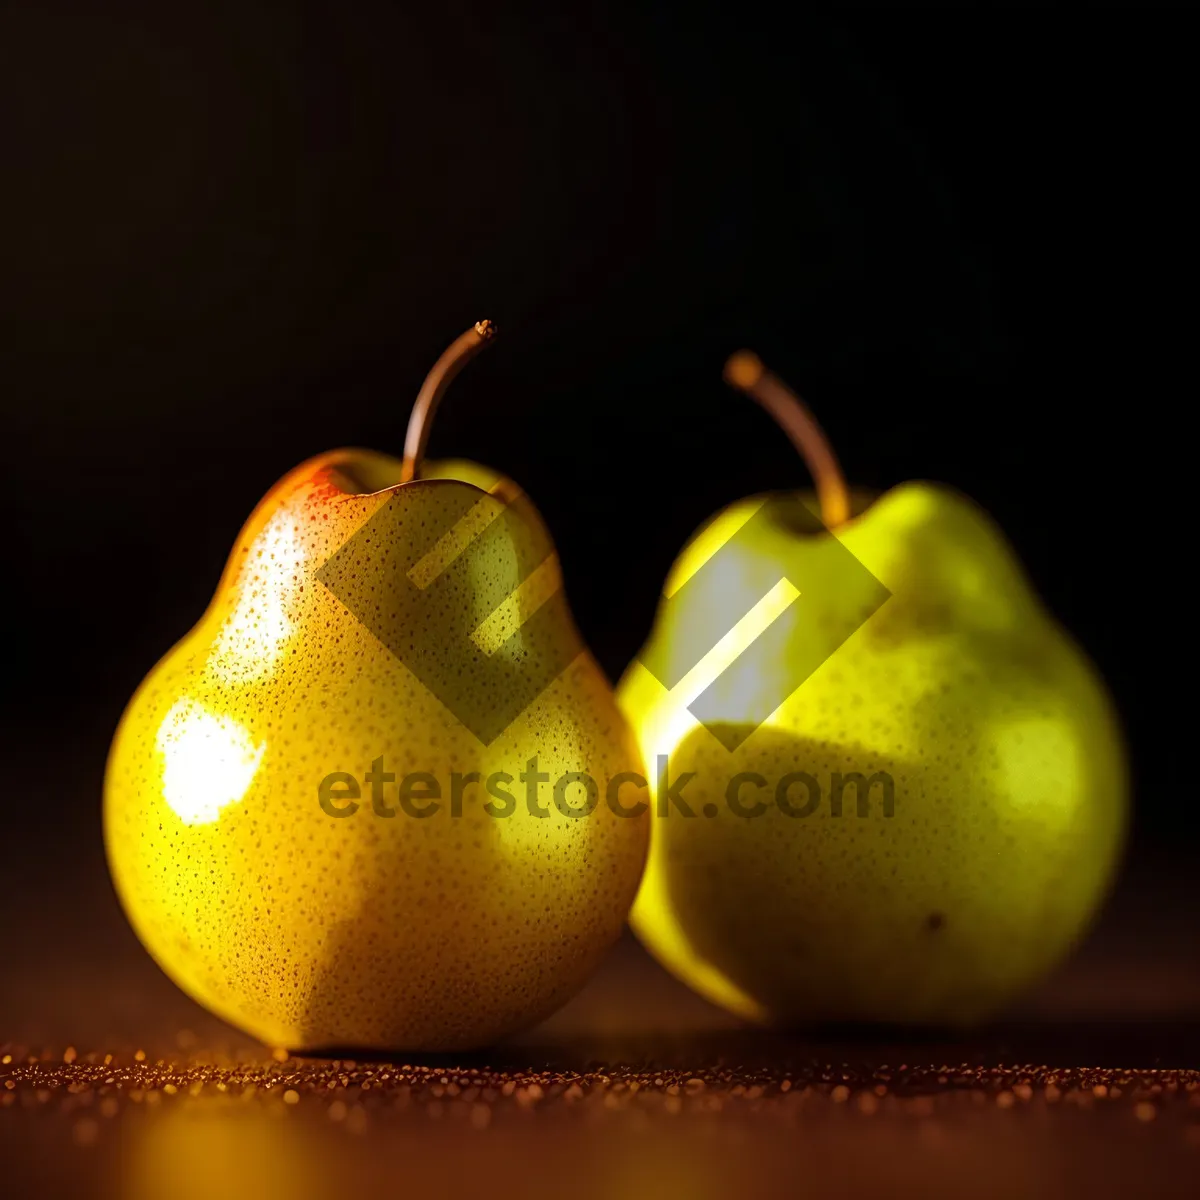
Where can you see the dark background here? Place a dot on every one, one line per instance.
(232, 236)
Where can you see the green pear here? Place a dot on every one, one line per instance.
(906, 783)
(332, 811)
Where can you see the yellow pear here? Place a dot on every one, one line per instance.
(345, 810)
(906, 784)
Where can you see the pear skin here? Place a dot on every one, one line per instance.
(260, 866)
(969, 789)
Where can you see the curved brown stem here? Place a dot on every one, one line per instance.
(453, 359)
(746, 372)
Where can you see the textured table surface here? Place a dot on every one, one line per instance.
(113, 1083)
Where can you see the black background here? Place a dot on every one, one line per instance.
(234, 236)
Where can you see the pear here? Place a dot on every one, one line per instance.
(334, 812)
(895, 790)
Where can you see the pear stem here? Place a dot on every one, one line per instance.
(453, 359)
(746, 372)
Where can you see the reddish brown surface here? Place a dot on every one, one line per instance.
(146, 1129)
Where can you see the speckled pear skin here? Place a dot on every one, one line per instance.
(1008, 809)
(309, 930)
